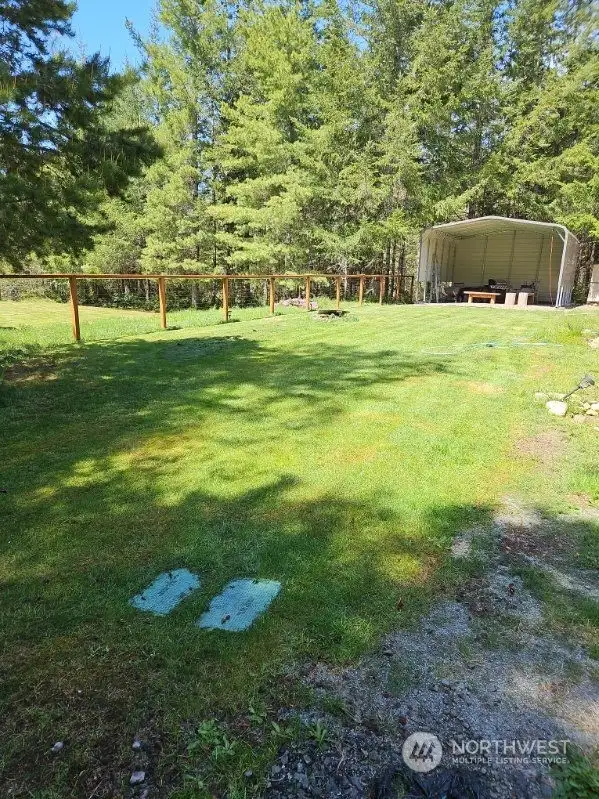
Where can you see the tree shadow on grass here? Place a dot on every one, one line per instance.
(91, 517)
(80, 664)
(112, 396)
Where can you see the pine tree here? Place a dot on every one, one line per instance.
(260, 152)
(188, 79)
(57, 157)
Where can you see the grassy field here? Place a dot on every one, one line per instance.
(339, 457)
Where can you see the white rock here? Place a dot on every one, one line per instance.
(58, 747)
(136, 745)
(591, 412)
(137, 777)
(595, 406)
(557, 407)
(594, 343)
(540, 395)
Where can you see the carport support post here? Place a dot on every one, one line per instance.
(361, 293)
(271, 297)
(338, 292)
(482, 277)
(74, 308)
(162, 300)
(381, 289)
(307, 294)
(511, 264)
(226, 299)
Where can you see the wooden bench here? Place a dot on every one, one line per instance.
(482, 295)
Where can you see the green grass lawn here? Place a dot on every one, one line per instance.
(339, 457)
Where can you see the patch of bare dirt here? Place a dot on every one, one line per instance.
(538, 542)
(546, 447)
(34, 371)
(484, 388)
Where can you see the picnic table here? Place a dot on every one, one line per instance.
(482, 295)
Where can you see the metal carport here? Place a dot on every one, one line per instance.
(510, 251)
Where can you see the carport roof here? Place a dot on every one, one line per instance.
(485, 225)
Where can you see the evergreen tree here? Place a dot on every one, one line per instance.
(260, 152)
(189, 78)
(57, 157)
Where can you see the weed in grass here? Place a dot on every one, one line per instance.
(318, 733)
(335, 706)
(282, 732)
(257, 715)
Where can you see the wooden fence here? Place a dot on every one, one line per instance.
(161, 280)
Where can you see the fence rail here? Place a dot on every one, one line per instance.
(161, 281)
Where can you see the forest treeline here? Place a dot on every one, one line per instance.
(321, 136)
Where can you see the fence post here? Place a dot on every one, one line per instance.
(307, 293)
(338, 291)
(271, 281)
(162, 300)
(361, 293)
(382, 289)
(74, 308)
(226, 299)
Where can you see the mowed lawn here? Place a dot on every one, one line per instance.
(338, 457)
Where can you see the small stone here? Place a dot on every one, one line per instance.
(58, 747)
(137, 777)
(302, 780)
(144, 794)
(307, 759)
(248, 774)
(284, 759)
(592, 412)
(578, 418)
(557, 407)
(299, 767)
(595, 406)
(136, 745)
(594, 343)
(275, 771)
